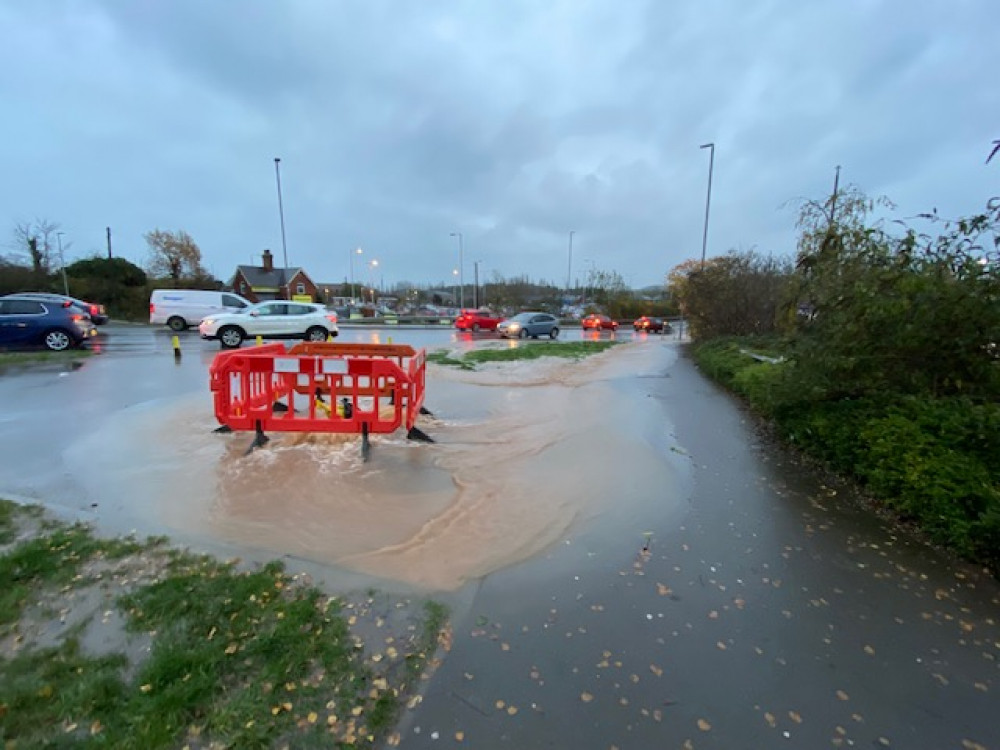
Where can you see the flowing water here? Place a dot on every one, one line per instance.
(523, 451)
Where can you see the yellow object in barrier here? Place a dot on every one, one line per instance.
(260, 340)
(175, 342)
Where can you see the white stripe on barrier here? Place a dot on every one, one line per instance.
(286, 364)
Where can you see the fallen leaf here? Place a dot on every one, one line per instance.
(459, 736)
(769, 718)
(655, 670)
(841, 695)
(663, 590)
(795, 716)
(311, 718)
(704, 725)
(869, 650)
(586, 697)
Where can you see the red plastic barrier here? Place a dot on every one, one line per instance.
(326, 387)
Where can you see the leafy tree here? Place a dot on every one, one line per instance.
(115, 270)
(738, 294)
(913, 314)
(174, 255)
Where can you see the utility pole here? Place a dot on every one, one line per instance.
(109, 242)
(708, 200)
(569, 265)
(475, 291)
(833, 199)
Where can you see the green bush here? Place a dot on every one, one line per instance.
(935, 461)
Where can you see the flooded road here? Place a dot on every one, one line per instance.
(628, 563)
(143, 456)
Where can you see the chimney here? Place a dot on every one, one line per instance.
(268, 261)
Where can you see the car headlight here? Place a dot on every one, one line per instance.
(514, 326)
(208, 322)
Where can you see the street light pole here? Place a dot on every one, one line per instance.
(281, 217)
(454, 272)
(569, 265)
(475, 289)
(461, 270)
(352, 254)
(62, 262)
(593, 265)
(708, 199)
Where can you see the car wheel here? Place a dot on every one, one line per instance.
(523, 333)
(57, 340)
(554, 333)
(177, 323)
(316, 333)
(475, 327)
(231, 337)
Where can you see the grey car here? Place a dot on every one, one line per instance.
(532, 324)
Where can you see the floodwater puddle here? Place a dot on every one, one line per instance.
(523, 451)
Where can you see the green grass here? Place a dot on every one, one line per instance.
(8, 359)
(238, 659)
(54, 559)
(569, 350)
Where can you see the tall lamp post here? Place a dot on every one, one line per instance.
(461, 270)
(372, 265)
(62, 262)
(356, 251)
(454, 272)
(708, 199)
(281, 217)
(475, 289)
(569, 265)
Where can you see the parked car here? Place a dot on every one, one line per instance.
(276, 319)
(532, 324)
(477, 320)
(651, 325)
(599, 323)
(26, 321)
(180, 308)
(98, 315)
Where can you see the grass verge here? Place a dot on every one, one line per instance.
(231, 658)
(568, 350)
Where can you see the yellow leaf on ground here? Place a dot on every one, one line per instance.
(704, 725)
(586, 697)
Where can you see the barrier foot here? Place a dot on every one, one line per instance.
(223, 430)
(415, 433)
(366, 446)
(278, 406)
(259, 440)
(425, 411)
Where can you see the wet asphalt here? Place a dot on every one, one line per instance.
(753, 605)
(769, 612)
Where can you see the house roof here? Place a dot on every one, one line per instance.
(258, 278)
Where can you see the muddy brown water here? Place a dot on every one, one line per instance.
(524, 451)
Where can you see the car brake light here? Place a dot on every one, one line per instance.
(152, 308)
(77, 318)
(332, 318)
(93, 310)
(67, 303)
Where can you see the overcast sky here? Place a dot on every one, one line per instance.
(514, 122)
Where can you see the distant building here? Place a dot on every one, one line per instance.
(264, 282)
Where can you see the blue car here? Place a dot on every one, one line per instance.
(532, 324)
(57, 326)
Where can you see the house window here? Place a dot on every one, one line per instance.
(243, 287)
(300, 288)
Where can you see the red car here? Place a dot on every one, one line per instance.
(599, 323)
(477, 320)
(652, 325)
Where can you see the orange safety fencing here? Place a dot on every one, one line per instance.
(319, 387)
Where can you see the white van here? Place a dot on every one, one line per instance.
(180, 308)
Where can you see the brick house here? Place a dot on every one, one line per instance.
(264, 282)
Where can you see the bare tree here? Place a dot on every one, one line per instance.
(36, 241)
(173, 254)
